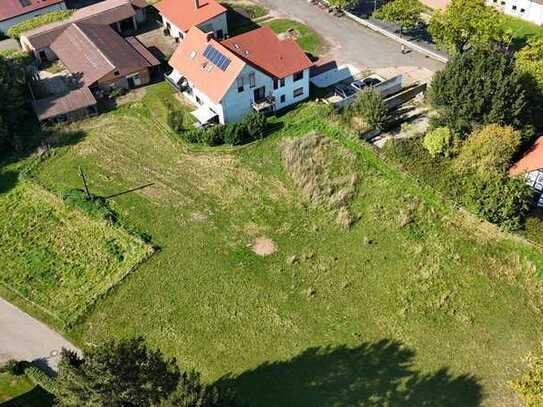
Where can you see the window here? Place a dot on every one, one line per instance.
(282, 82)
(298, 92)
(275, 84)
(240, 85)
(252, 80)
(514, 7)
(116, 73)
(283, 98)
(522, 10)
(25, 3)
(198, 100)
(298, 76)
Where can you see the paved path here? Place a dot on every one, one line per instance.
(25, 338)
(351, 43)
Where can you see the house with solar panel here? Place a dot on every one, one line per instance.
(226, 80)
(16, 11)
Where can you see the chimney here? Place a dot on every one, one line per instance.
(197, 4)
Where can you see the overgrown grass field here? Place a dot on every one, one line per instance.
(415, 303)
(57, 257)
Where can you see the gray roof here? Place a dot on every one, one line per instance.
(62, 104)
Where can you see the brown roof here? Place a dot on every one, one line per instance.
(107, 12)
(189, 61)
(143, 51)
(13, 8)
(532, 160)
(263, 49)
(184, 13)
(93, 51)
(62, 104)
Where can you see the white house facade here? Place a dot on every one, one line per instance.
(15, 15)
(529, 10)
(226, 80)
(179, 16)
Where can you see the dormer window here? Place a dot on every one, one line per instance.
(192, 55)
(25, 3)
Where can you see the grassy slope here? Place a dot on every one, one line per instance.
(18, 391)
(448, 292)
(57, 257)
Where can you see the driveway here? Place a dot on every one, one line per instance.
(350, 42)
(25, 338)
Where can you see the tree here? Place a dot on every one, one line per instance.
(370, 105)
(439, 142)
(14, 111)
(342, 3)
(191, 392)
(529, 387)
(124, 373)
(480, 86)
(466, 24)
(405, 13)
(488, 151)
(529, 60)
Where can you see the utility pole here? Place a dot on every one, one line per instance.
(84, 178)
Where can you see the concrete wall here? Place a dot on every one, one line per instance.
(5, 25)
(526, 9)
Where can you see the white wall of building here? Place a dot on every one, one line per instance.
(288, 91)
(526, 9)
(7, 24)
(214, 25)
(535, 180)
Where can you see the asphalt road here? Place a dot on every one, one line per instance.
(25, 338)
(351, 42)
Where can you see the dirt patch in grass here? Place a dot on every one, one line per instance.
(324, 172)
(264, 246)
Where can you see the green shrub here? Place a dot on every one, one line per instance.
(47, 18)
(39, 378)
(253, 126)
(211, 136)
(176, 119)
(233, 135)
(370, 105)
(95, 207)
(439, 142)
(15, 367)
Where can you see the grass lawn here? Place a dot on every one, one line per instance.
(523, 30)
(57, 257)
(18, 391)
(308, 39)
(417, 303)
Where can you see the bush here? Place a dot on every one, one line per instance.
(253, 126)
(15, 367)
(370, 105)
(502, 201)
(439, 142)
(176, 119)
(39, 378)
(47, 18)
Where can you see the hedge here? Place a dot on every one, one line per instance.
(47, 18)
(39, 378)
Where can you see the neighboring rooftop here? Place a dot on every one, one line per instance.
(61, 104)
(263, 49)
(13, 8)
(94, 51)
(213, 79)
(531, 161)
(188, 13)
(106, 12)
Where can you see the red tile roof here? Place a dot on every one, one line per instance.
(263, 49)
(532, 160)
(189, 61)
(14, 8)
(184, 14)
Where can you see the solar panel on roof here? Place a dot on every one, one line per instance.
(216, 58)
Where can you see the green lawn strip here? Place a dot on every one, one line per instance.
(252, 11)
(18, 391)
(522, 30)
(308, 39)
(58, 258)
(444, 285)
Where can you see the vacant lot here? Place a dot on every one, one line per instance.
(56, 257)
(415, 304)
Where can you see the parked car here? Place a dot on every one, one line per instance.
(364, 83)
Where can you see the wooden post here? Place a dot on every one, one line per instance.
(82, 174)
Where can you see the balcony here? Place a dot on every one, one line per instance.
(264, 105)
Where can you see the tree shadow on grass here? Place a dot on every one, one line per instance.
(372, 374)
(37, 397)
